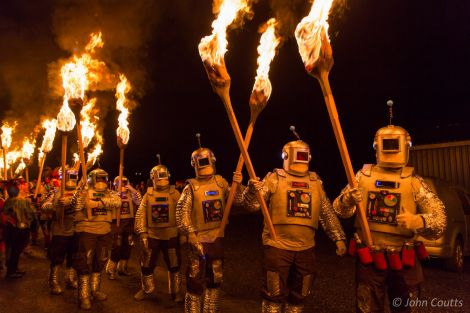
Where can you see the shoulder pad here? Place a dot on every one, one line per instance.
(367, 169)
(194, 184)
(313, 176)
(219, 180)
(280, 172)
(172, 189)
(150, 190)
(407, 171)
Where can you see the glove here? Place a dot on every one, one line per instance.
(254, 185)
(192, 238)
(351, 197)
(340, 247)
(410, 221)
(237, 177)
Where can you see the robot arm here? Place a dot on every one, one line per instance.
(344, 205)
(140, 225)
(48, 203)
(431, 210)
(184, 210)
(77, 202)
(249, 195)
(135, 195)
(113, 202)
(329, 221)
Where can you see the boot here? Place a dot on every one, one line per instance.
(71, 278)
(54, 280)
(192, 303)
(84, 300)
(174, 287)
(148, 286)
(111, 269)
(95, 287)
(211, 300)
(271, 307)
(122, 268)
(291, 308)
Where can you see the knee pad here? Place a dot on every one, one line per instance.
(194, 268)
(273, 284)
(307, 282)
(217, 271)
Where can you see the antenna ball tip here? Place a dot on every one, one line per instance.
(389, 103)
(198, 135)
(292, 128)
(158, 155)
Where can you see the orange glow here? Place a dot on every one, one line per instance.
(122, 88)
(28, 149)
(88, 126)
(308, 31)
(266, 50)
(7, 131)
(212, 48)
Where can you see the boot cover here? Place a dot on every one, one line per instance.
(71, 281)
(111, 268)
(84, 299)
(271, 307)
(211, 300)
(54, 280)
(96, 286)
(291, 308)
(192, 303)
(122, 268)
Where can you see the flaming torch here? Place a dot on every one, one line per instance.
(46, 147)
(65, 123)
(212, 49)
(6, 143)
(315, 49)
(122, 131)
(258, 100)
(26, 153)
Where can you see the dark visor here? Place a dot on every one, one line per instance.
(73, 176)
(390, 144)
(101, 178)
(302, 156)
(162, 175)
(203, 162)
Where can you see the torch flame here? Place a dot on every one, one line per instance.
(20, 167)
(308, 31)
(266, 50)
(95, 41)
(212, 48)
(48, 139)
(94, 155)
(7, 130)
(65, 118)
(12, 157)
(88, 127)
(121, 89)
(28, 149)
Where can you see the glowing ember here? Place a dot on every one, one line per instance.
(48, 139)
(121, 89)
(266, 51)
(7, 130)
(88, 127)
(308, 31)
(212, 48)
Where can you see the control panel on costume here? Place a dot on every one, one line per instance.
(299, 203)
(98, 211)
(161, 211)
(125, 206)
(383, 206)
(213, 210)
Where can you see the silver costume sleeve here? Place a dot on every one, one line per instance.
(48, 202)
(184, 209)
(340, 208)
(140, 224)
(136, 197)
(77, 202)
(432, 210)
(329, 220)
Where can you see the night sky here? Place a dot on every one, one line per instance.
(413, 52)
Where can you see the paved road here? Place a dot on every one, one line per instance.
(333, 288)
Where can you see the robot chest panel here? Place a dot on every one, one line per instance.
(383, 206)
(125, 207)
(160, 212)
(299, 203)
(212, 210)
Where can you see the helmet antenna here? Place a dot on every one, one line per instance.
(292, 129)
(198, 136)
(98, 162)
(390, 111)
(159, 160)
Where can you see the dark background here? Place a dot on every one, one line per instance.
(413, 52)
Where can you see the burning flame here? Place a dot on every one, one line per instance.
(267, 51)
(48, 139)
(212, 48)
(308, 31)
(77, 75)
(92, 156)
(28, 149)
(121, 89)
(20, 167)
(13, 156)
(88, 127)
(7, 130)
